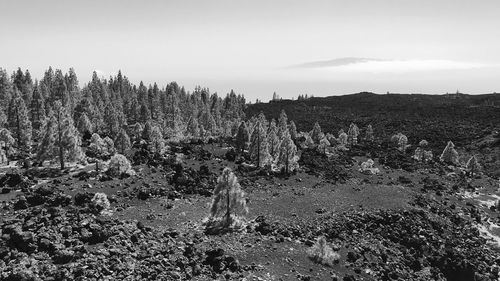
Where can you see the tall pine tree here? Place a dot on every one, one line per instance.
(259, 151)
(60, 138)
(19, 122)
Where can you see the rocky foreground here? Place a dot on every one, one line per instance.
(51, 230)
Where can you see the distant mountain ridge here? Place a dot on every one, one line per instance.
(436, 118)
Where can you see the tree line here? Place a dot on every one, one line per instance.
(48, 118)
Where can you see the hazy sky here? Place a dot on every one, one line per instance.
(257, 47)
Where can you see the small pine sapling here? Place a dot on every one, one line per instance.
(323, 145)
(421, 154)
(259, 149)
(343, 139)
(316, 133)
(273, 142)
(473, 167)
(287, 157)
(156, 141)
(449, 155)
(322, 253)
(122, 142)
(369, 133)
(228, 205)
(352, 134)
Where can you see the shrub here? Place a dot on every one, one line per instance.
(100, 202)
(369, 133)
(321, 253)
(400, 141)
(119, 165)
(421, 154)
(100, 148)
(367, 168)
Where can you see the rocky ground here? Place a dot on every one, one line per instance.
(412, 221)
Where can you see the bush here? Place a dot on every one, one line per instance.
(100, 202)
(401, 141)
(119, 165)
(321, 253)
(100, 148)
(367, 168)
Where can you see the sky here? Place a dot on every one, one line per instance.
(258, 47)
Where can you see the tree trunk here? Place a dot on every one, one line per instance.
(228, 210)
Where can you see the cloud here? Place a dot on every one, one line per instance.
(353, 64)
(335, 62)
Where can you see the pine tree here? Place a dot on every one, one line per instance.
(352, 134)
(19, 123)
(323, 145)
(137, 130)
(343, 139)
(449, 155)
(369, 133)
(84, 125)
(282, 124)
(308, 142)
(7, 143)
(193, 129)
(242, 137)
(96, 145)
(421, 154)
(5, 89)
(60, 137)
(122, 142)
(146, 132)
(316, 133)
(208, 122)
(111, 120)
(3, 118)
(37, 112)
(259, 151)
(273, 141)
(287, 157)
(473, 166)
(144, 113)
(229, 202)
(156, 141)
(293, 130)
(60, 90)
